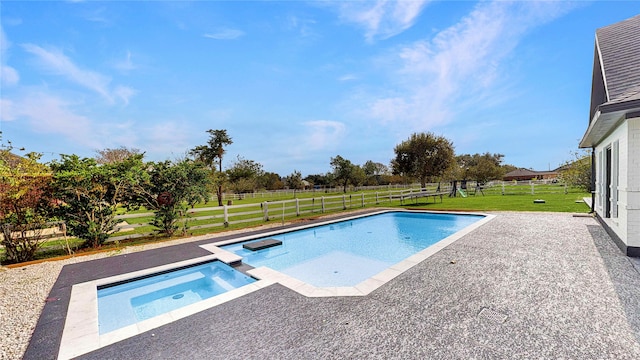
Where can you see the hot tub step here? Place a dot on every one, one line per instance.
(262, 244)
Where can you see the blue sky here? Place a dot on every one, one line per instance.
(295, 83)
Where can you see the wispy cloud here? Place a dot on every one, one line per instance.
(58, 63)
(126, 64)
(8, 75)
(98, 15)
(461, 67)
(304, 26)
(323, 134)
(381, 19)
(347, 77)
(167, 137)
(225, 34)
(49, 114)
(124, 93)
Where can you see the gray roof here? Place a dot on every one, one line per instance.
(615, 91)
(527, 172)
(619, 46)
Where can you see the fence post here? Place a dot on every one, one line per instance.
(322, 199)
(566, 191)
(377, 202)
(344, 202)
(265, 210)
(532, 189)
(503, 188)
(362, 199)
(297, 207)
(226, 216)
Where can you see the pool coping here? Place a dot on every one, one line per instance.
(361, 289)
(81, 334)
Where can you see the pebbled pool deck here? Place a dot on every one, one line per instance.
(524, 285)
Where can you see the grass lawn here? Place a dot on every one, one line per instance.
(555, 201)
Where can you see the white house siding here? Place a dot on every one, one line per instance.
(632, 189)
(626, 221)
(617, 222)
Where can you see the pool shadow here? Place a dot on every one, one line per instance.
(624, 274)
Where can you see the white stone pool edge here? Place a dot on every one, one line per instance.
(81, 333)
(366, 286)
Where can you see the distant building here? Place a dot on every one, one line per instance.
(523, 174)
(613, 133)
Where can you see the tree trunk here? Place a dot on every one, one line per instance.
(219, 194)
(219, 191)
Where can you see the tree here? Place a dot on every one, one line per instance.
(208, 154)
(374, 168)
(171, 189)
(243, 175)
(270, 181)
(110, 156)
(358, 176)
(480, 167)
(25, 204)
(422, 156)
(320, 179)
(373, 172)
(294, 181)
(89, 193)
(577, 171)
(344, 171)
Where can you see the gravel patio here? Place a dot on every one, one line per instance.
(524, 285)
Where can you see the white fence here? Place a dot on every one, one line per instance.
(274, 210)
(223, 216)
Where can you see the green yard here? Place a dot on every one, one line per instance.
(556, 198)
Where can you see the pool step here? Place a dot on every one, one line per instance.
(262, 244)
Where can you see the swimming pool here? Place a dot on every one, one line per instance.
(346, 253)
(358, 254)
(132, 301)
(144, 300)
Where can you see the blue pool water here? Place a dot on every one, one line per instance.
(134, 301)
(349, 252)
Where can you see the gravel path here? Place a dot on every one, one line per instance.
(558, 284)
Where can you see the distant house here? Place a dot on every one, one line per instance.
(613, 133)
(523, 174)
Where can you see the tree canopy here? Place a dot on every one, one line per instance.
(25, 204)
(171, 189)
(208, 154)
(294, 181)
(577, 171)
(344, 171)
(109, 156)
(423, 156)
(89, 193)
(480, 167)
(243, 175)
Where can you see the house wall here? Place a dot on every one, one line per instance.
(625, 223)
(633, 183)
